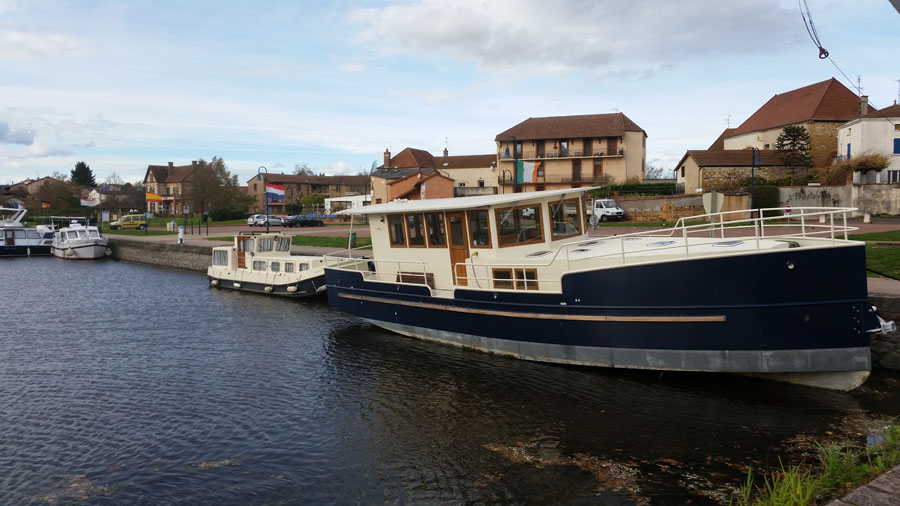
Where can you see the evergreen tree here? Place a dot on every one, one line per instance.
(793, 148)
(83, 175)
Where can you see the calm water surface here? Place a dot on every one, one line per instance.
(126, 384)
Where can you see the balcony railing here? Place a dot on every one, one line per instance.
(572, 154)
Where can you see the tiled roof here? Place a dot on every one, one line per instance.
(719, 144)
(888, 112)
(399, 173)
(571, 127)
(465, 161)
(177, 174)
(410, 160)
(298, 179)
(825, 101)
(729, 157)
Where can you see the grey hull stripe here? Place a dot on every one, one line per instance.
(735, 361)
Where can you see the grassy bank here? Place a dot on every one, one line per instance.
(315, 240)
(885, 259)
(839, 469)
(109, 231)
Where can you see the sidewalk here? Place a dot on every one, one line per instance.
(883, 490)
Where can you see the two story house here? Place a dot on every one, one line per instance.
(169, 181)
(572, 151)
(417, 174)
(876, 133)
(297, 187)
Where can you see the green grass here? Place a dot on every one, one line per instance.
(314, 240)
(839, 468)
(884, 259)
(107, 230)
(890, 235)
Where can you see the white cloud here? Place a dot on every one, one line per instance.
(575, 35)
(7, 136)
(24, 46)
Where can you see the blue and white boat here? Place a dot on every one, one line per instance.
(521, 275)
(19, 240)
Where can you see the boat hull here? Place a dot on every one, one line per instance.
(24, 250)
(81, 251)
(773, 313)
(303, 288)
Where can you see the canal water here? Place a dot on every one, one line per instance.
(126, 384)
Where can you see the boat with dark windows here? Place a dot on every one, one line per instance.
(77, 241)
(263, 263)
(781, 294)
(19, 240)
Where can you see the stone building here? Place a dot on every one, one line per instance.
(701, 169)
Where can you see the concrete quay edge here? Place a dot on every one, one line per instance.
(884, 490)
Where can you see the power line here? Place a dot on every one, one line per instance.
(814, 35)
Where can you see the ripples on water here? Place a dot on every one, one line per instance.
(125, 384)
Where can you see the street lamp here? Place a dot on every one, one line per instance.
(505, 172)
(265, 192)
(754, 161)
(515, 171)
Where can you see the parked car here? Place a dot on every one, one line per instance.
(256, 219)
(274, 221)
(130, 221)
(302, 221)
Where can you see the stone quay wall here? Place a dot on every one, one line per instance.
(179, 256)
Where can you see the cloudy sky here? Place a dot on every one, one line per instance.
(121, 85)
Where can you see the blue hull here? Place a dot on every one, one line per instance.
(748, 313)
(23, 251)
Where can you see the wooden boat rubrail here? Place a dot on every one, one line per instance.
(782, 294)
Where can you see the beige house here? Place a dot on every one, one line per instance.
(467, 175)
(701, 169)
(573, 151)
(297, 187)
(169, 182)
(821, 108)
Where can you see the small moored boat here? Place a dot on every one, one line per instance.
(77, 241)
(782, 295)
(263, 263)
(19, 240)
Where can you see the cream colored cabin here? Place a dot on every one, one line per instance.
(529, 241)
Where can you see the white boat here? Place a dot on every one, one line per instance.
(77, 241)
(781, 296)
(19, 240)
(263, 263)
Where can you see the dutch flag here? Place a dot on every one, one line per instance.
(274, 191)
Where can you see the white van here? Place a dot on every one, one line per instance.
(606, 210)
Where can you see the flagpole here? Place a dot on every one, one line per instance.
(265, 192)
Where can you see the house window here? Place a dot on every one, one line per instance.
(479, 234)
(519, 225)
(437, 237)
(481, 183)
(682, 171)
(766, 146)
(893, 176)
(563, 148)
(415, 231)
(395, 226)
(897, 146)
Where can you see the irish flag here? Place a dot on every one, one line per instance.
(274, 191)
(526, 172)
(152, 197)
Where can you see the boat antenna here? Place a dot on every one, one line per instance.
(814, 35)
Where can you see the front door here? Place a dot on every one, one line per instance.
(459, 246)
(10, 237)
(240, 251)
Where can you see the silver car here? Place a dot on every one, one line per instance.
(256, 219)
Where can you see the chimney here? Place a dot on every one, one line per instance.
(387, 158)
(863, 105)
(193, 164)
(171, 169)
(445, 152)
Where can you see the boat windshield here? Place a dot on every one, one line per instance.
(93, 234)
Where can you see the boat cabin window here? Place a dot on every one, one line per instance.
(248, 244)
(524, 279)
(288, 267)
(259, 265)
(502, 278)
(73, 234)
(20, 234)
(265, 244)
(93, 234)
(283, 244)
(62, 237)
(565, 219)
(304, 266)
(437, 237)
(275, 266)
(519, 225)
(220, 258)
(415, 230)
(32, 234)
(479, 231)
(395, 225)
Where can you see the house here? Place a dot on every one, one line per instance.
(457, 175)
(298, 186)
(168, 181)
(31, 186)
(821, 108)
(701, 169)
(876, 133)
(571, 151)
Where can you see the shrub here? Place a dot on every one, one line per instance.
(228, 213)
(766, 196)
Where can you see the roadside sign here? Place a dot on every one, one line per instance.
(787, 209)
(186, 209)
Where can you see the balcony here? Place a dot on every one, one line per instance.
(569, 156)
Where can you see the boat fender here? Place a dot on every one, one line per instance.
(108, 252)
(268, 289)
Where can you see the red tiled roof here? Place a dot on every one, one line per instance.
(410, 160)
(825, 101)
(719, 144)
(177, 174)
(571, 127)
(888, 112)
(729, 157)
(465, 161)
